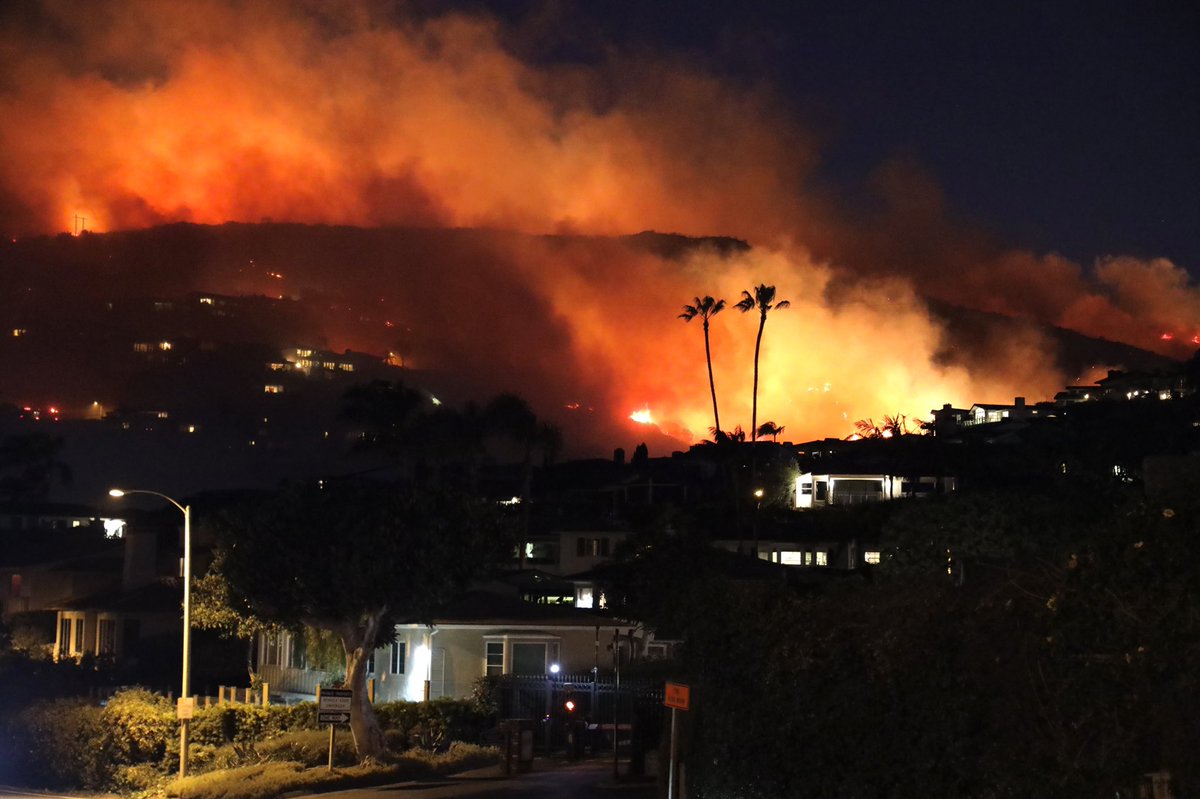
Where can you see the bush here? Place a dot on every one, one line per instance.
(142, 726)
(59, 744)
(430, 725)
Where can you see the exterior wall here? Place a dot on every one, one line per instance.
(597, 548)
(821, 490)
(452, 658)
(104, 633)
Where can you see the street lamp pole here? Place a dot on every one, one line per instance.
(185, 690)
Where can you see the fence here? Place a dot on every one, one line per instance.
(603, 710)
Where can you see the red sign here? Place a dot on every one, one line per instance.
(676, 696)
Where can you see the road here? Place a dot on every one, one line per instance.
(548, 781)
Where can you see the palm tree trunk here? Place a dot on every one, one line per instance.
(712, 386)
(754, 406)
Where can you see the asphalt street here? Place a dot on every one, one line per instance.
(548, 780)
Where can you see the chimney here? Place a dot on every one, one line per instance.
(141, 558)
(1019, 402)
(619, 456)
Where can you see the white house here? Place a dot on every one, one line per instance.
(483, 633)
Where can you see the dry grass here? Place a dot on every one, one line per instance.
(269, 780)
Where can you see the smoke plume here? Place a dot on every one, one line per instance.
(136, 113)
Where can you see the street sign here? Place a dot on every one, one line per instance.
(333, 706)
(185, 707)
(676, 696)
(334, 700)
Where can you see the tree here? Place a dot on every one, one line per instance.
(354, 558)
(29, 464)
(771, 429)
(764, 300)
(706, 308)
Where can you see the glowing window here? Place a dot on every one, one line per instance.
(791, 558)
(19, 331)
(871, 556)
(272, 388)
(584, 597)
(164, 345)
(206, 301)
(822, 558)
(808, 559)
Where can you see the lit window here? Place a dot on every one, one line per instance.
(141, 346)
(346, 367)
(273, 388)
(584, 597)
(19, 331)
(871, 556)
(807, 558)
(791, 558)
(164, 345)
(494, 658)
(206, 301)
(822, 558)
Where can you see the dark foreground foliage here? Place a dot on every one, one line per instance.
(1057, 655)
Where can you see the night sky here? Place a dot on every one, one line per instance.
(1065, 127)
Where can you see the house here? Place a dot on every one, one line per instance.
(136, 597)
(485, 632)
(50, 552)
(816, 490)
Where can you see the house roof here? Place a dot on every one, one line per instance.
(489, 607)
(164, 596)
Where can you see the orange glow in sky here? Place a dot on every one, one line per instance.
(210, 111)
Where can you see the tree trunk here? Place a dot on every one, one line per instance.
(358, 642)
(754, 407)
(712, 386)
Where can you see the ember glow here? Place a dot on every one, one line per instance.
(142, 113)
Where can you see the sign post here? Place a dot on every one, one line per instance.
(676, 696)
(333, 708)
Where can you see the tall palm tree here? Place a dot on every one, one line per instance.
(764, 300)
(706, 309)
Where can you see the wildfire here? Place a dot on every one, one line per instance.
(642, 416)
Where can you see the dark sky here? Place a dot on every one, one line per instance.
(1067, 127)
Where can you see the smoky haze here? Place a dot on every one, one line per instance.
(141, 113)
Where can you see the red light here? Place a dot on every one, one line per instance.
(569, 705)
(1167, 336)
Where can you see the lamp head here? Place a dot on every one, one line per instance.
(116, 492)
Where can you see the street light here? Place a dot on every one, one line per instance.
(185, 693)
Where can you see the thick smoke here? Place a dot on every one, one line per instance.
(136, 113)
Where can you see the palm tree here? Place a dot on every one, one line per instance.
(771, 429)
(764, 300)
(706, 308)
